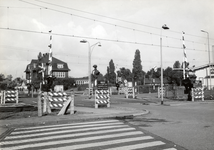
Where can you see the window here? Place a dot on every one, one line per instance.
(59, 66)
(59, 74)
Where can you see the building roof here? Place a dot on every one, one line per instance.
(45, 59)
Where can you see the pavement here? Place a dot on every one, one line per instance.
(81, 114)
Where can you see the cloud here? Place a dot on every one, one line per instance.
(98, 31)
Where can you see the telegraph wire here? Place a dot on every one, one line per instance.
(20, 7)
(80, 56)
(93, 38)
(59, 11)
(112, 18)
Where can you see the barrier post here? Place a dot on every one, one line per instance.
(133, 90)
(39, 104)
(72, 104)
(4, 92)
(192, 92)
(17, 97)
(1, 95)
(126, 92)
(46, 104)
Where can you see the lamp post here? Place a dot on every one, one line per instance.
(208, 55)
(90, 49)
(165, 28)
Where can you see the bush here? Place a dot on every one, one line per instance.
(67, 82)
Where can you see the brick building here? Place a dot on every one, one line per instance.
(59, 68)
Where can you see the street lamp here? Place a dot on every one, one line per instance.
(208, 54)
(165, 28)
(90, 49)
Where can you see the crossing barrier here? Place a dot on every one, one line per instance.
(130, 92)
(55, 100)
(102, 97)
(9, 96)
(197, 93)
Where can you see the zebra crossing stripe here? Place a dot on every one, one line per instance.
(93, 137)
(41, 133)
(84, 139)
(67, 136)
(73, 124)
(107, 134)
(110, 142)
(142, 145)
(45, 128)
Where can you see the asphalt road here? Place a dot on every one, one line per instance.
(188, 124)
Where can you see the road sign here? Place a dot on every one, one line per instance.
(102, 86)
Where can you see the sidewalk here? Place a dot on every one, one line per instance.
(82, 114)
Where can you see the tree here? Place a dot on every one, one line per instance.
(125, 74)
(2, 77)
(111, 75)
(177, 76)
(137, 67)
(177, 64)
(9, 77)
(168, 74)
(107, 74)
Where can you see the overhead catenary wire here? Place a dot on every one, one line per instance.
(140, 24)
(83, 17)
(72, 55)
(95, 38)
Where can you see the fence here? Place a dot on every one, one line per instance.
(55, 100)
(130, 92)
(9, 96)
(102, 97)
(197, 93)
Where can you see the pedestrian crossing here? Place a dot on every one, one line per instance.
(93, 135)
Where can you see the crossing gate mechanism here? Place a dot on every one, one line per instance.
(102, 97)
(9, 96)
(55, 100)
(197, 93)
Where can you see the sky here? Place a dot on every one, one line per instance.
(121, 26)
